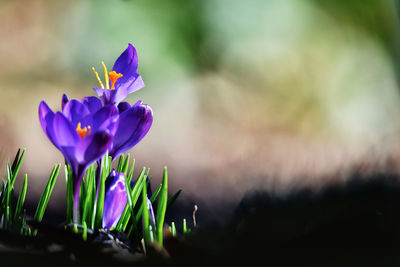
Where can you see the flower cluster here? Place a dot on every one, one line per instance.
(84, 130)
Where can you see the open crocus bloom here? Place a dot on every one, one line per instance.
(83, 132)
(122, 80)
(115, 199)
(134, 123)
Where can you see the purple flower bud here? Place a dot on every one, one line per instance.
(115, 199)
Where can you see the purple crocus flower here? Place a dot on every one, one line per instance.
(122, 80)
(83, 131)
(134, 123)
(115, 199)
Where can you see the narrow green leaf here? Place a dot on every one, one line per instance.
(130, 175)
(69, 193)
(84, 231)
(173, 229)
(46, 193)
(184, 226)
(162, 207)
(7, 218)
(21, 199)
(125, 166)
(104, 172)
(120, 163)
(16, 167)
(16, 159)
(172, 199)
(88, 194)
(155, 194)
(135, 193)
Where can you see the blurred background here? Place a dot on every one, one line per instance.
(246, 94)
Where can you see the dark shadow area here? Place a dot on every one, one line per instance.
(356, 223)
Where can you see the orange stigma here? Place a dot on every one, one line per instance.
(83, 132)
(113, 78)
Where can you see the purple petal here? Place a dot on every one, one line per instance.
(92, 103)
(126, 64)
(123, 106)
(135, 85)
(106, 119)
(109, 96)
(63, 132)
(88, 150)
(46, 117)
(92, 147)
(151, 212)
(103, 93)
(132, 127)
(115, 199)
(64, 101)
(69, 155)
(75, 112)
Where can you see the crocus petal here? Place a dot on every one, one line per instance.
(115, 199)
(106, 118)
(132, 127)
(75, 111)
(135, 85)
(92, 103)
(64, 101)
(109, 96)
(151, 211)
(46, 117)
(64, 133)
(123, 106)
(126, 64)
(92, 147)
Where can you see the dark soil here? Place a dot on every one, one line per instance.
(352, 224)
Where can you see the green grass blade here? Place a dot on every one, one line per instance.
(120, 163)
(172, 199)
(125, 166)
(104, 172)
(135, 193)
(88, 195)
(162, 207)
(7, 217)
(173, 229)
(130, 175)
(21, 199)
(7, 199)
(16, 166)
(184, 226)
(69, 193)
(41, 208)
(155, 194)
(16, 159)
(84, 231)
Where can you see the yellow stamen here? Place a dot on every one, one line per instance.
(83, 132)
(98, 77)
(114, 77)
(105, 75)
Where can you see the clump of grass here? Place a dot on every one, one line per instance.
(143, 217)
(12, 212)
(135, 220)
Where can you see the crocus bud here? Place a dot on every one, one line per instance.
(115, 199)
